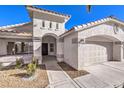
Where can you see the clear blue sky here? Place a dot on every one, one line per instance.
(18, 14)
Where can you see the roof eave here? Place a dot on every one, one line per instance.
(78, 28)
(31, 9)
(89, 25)
(15, 25)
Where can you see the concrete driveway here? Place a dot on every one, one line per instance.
(105, 75)
(108, 74)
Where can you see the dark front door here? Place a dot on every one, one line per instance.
(44, 48)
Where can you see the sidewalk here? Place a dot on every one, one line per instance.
(58, 78)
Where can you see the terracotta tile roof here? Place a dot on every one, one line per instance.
(15, 25)
(49, 11)
(10, 28)
(97, 22)
(91, 24)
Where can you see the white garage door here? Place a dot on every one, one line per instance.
(94, 54)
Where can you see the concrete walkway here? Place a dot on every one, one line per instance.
(57, 77)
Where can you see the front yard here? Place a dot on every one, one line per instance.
(13, 78)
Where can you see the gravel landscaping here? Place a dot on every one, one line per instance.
(73, 73)
(13, 78)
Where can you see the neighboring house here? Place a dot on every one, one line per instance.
(16, 39)
(87, 44)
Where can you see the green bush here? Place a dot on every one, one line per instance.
(19, 63)
(31, 68)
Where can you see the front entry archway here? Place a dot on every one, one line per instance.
(49, 48)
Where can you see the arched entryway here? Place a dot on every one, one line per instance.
(49, 47)
(101, 48)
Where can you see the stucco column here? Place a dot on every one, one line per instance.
(122, 52)
(118, 51)
(59, 50)
(37, 46)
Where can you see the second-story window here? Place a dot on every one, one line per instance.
(57, 26)
(43, 23)
(50, 24)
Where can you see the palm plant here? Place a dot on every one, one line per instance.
(88, 8)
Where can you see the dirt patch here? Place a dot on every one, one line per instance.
(12, 78)
(73, 73)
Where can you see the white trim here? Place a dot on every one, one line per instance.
(13, 25)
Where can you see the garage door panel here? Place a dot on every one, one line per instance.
(94, 53)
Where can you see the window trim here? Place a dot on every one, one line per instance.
(57, 25)
(43, 24)
(52, 47)
(50, 25)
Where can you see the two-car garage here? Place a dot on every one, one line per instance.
(93, 43)
(98, 49)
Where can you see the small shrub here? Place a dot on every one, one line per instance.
(19, 63)
(31, 68)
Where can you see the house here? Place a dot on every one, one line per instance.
(83, 45)
(16, 39)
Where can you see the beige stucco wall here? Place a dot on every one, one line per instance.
(123, 50)
(71, 50)
(39, 32)
(93, 50)
(106, 29)
(3, 47)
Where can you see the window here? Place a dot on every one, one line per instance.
(43, 23)
(50, 24)
(57, 26)
(51, 47)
